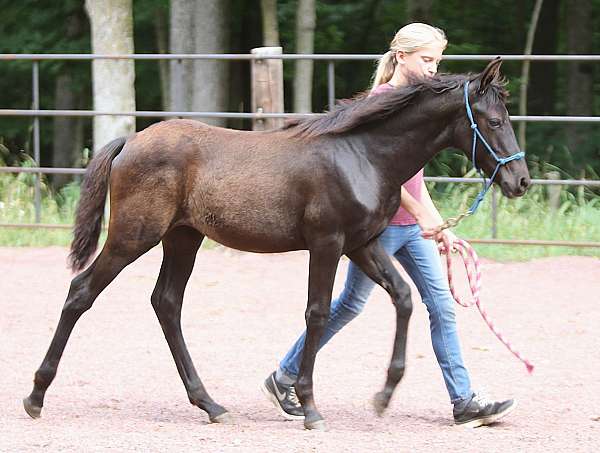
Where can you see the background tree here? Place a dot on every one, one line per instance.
(181, 42)
(525, 70)
(211, 77)
(305, 33)
(113, 80)
(200, 26)
(161, 29)
(270, 24)
(68, 132)
(579, 79)
(418, 10)
(541, 95)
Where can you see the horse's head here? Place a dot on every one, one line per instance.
(486, 119)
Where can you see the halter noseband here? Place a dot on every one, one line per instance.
(499, 160)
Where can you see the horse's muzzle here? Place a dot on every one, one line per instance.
(516, 188)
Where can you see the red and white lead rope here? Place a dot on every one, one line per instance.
(471, 262)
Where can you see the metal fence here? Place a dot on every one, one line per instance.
(35, 112)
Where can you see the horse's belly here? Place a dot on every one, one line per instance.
(252, 238)
(250, 227)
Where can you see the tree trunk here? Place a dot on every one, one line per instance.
(68, 132)
(67, 142)
(305, 33)
(419, 10)
(112, 33)
(181, 42)
(270, 25)
(541, 94)
(362, 40)
(161, 27)
(525, 70)
(579, 73)
(211, 77)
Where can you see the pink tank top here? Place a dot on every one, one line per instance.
(412, 186)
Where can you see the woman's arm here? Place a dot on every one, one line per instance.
(428, 204)
(428, 217)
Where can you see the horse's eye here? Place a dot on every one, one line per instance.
(494, 122)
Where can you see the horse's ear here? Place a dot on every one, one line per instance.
(489, 74)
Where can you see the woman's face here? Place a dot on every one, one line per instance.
(421, 63)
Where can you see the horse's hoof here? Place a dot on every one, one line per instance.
(317, 425)
(380, 403)
(32, 410)
(225, 419)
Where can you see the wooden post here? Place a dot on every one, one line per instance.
(267, 88)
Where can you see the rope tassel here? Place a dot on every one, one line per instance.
(471, 262)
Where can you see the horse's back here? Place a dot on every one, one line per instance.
(247, 190)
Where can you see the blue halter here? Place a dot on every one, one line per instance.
(499, 160)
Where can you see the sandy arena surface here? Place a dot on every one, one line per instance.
(117, 387)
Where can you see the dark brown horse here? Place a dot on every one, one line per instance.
(328, 185)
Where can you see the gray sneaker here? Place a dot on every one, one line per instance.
(479, 411)
(284, 398)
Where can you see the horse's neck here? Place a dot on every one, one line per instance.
(403, 143)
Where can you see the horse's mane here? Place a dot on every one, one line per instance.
(348, 114)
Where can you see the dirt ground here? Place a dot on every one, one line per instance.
(117, 386)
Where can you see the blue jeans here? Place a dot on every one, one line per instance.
(420, 258)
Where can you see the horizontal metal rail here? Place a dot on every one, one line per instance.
(153, 114)
(244, 115)
(45, 170)
(440, 179)
(236, 56)
(544, 182)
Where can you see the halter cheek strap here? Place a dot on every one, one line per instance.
(499, 160)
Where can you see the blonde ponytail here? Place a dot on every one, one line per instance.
(385, 69)
(409, 38)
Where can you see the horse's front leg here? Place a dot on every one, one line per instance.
(375, 262)
(324, 258)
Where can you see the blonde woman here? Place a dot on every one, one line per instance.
(415, 52)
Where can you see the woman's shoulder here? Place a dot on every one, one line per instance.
(382, 88)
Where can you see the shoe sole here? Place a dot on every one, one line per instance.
(489, 419)
(275, 402)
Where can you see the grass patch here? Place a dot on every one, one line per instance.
(577, 217)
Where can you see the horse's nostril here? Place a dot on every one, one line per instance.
(524, 183)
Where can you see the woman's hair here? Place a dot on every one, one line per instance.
(409, 38)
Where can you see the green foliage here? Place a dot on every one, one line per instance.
(17, 192)
(529, 217)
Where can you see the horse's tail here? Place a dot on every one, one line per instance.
(90, 210)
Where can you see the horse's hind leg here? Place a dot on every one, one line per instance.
(84, 290)
(180, 246)
(375, 262)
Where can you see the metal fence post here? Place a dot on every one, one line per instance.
(36, 139)
(331, 84)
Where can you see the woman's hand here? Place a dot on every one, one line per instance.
(429, 224)
(431, 230)
(447, 242)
